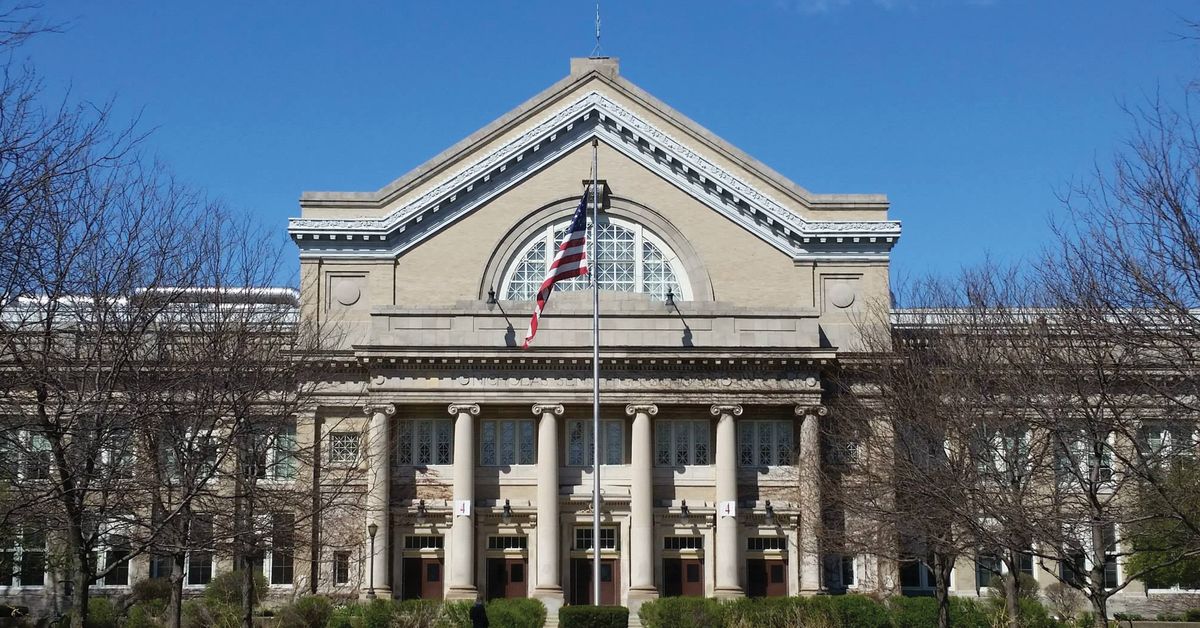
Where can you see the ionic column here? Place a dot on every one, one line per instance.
(641, 502)
(378, 447)
(549, 580)
(726, 492)
(810, 497)
(462, 530)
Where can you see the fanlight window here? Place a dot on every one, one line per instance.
(629, 259)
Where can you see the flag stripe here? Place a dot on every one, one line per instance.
(570, 261)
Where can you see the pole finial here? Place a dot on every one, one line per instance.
(596, 48)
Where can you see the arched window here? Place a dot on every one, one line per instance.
(630, 259)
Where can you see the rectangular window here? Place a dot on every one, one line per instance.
(37, 458)
(579, 442)
(33, 558)
(199, 562)
(987, 566)
(424, 442)
(506, 442)
(765, 443)
(683, 543)
(681, 443)
(1073, 569)
(282, 548)
(160, 566)
(583, 538)
(343, 447)
(508, 542)
(281, 458)
(765, 543)
(341, 567)
(423, 541)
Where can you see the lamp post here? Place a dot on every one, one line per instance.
(371, 530)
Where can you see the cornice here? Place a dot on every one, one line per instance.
(596, 115)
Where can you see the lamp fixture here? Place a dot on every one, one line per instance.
(670, 302)
(491, 300)
(683, 510)
(372, 530)
(507, 514)
(770, 512)
(421, 511)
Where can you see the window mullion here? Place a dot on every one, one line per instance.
(639, 285)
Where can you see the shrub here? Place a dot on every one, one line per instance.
(227, 588)
(310, 611)
(516, 613)
(593, 617)
(102, 613)
(682, 612)
(210, 613)
(772, 612)
(378, 614)
(150, 589)
(455, 615)
(855, 610)
(1029, 587)
(146, 615)
(916, 612)
(1192, 614)
(1065, 601)
(346, 616)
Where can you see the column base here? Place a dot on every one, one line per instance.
(728, 593)
(639, 596)
(462, 593)
(381, 593)
(553, 599)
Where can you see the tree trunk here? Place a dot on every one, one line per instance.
(1012, 596)
(1100, 611)
(175, 603)
(247, 591)
(941, 576)
(79, 594)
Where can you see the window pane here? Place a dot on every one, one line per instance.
(445, 440)
(424, 442)
(783, 439)
(404, 442)
(683, 443)
(508, 443)
(746, 444)
(662, 443)
(487, 443)
(614, 446)
(527, 439)
(576, 444)
(766, 444)
(700, 438)
(341, 567)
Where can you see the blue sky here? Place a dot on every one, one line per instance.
(972, 116)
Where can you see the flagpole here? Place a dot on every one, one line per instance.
(594, 269)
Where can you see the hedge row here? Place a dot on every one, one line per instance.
(841, 611)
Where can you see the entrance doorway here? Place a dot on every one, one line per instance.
(683, 576)
(506, 577)
(766, 577)
(422, 578)
(581, 581)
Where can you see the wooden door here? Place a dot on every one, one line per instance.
(581, 581)
(766, 578)
(506, 578)
(683, 576)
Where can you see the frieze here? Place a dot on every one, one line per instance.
(630, 382)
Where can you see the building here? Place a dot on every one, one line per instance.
(726, 290)
(729, 294)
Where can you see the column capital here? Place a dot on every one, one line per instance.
(817, 410)
(387, 409)
(641, 408)
(456, 409)
(731, 409)
(548, 408)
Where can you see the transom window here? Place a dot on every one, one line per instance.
(765, 543)
(579, 442)
(508, 542)
(764, 443)
(583, 538)
(424, 541)
(681, 443)
(629, 259)
(424, 441)
(683, 543)
(506, 442)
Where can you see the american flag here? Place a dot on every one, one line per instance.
(570, 261)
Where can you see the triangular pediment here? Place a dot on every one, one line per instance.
(405, 214)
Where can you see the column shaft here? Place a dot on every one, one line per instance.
(549, 579)
(641, 500)
(810, 495)
(378, 448)
(462, 529)
(726, 491)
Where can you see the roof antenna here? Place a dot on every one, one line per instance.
(596, 50)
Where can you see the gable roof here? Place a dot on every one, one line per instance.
(465, 180)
